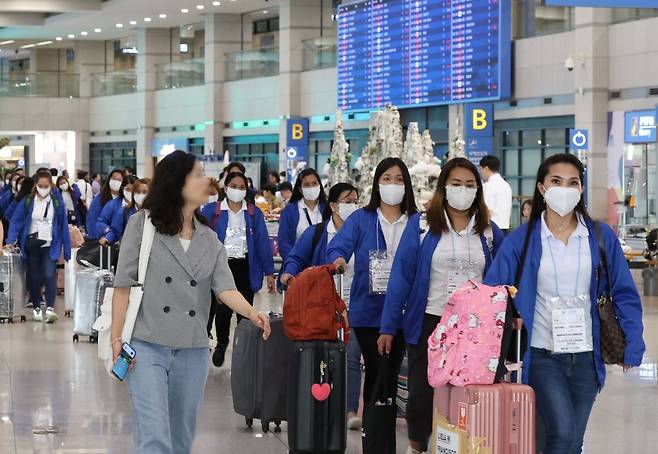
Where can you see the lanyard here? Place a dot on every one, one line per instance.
(308, 217)
(580, 248)
(45, 213)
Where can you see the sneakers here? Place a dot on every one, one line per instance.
(51, 315)
(353, 421)
(36, 315)
(219, 355)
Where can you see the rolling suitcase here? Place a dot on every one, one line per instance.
(70, 271)
(500, 417)
(317, 399)
(258, 373)
(90, 285)
(12, 287)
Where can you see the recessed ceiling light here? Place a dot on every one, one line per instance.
(216, 3)
(264, 11)
(133, 22)
(7, 42)
(119, 25)
(71, 36)
(27, 46)
(84, 33)
(59, 38)
(200, 7)
(162, 16)
(43, 43)
(97, 30)
(185, 11)
(147, 19)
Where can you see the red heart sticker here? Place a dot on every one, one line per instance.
(321, 391)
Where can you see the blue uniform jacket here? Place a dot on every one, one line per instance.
(628, 306)
(118, 224)
(93, 232)
(357, 237)
(104, 221)
(409, 285)
(304, 255)
(21, 221)
(261, 260)
(288, 228)
(6, 200)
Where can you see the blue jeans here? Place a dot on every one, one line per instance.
(353, 352)
(565, 386)
(41, 272)
(166, 389)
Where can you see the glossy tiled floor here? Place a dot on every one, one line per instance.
(46, 380)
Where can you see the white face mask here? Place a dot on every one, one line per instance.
(345, 209)
(43, 192)
(460, 197)
(213, 198)
(235, 195)
(127, 195)
(139, 199)
(64, 187)
(115, 185)
(392, 194)
(562, 200)
(311, 194)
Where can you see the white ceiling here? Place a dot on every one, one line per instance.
(33, 21)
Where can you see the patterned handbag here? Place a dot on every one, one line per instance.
(613, 340)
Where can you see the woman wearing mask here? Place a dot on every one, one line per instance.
(557, 261)
(305, 209)
(240, 226)
(372, 235)
(71, 198)
(118, 205)
(24, 186)
(526, 211)
(8, 196)
(311, 250)
(187, 262)
(110, 191)
(120, 217)
(39, 226)
(435, 257)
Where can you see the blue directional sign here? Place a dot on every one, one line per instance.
(578, 139)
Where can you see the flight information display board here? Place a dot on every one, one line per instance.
(422, 52)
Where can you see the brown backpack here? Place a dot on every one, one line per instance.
(312, 309)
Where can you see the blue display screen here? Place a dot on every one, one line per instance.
(422, 52)
(605, 3)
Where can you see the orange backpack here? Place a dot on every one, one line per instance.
(312, 309)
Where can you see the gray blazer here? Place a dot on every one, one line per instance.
(176, 304)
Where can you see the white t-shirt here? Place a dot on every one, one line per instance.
(185, 243)
(498, 197)
(86, 193)
(68, 200)
(464, 241)
(348, 277)
(392, 232)
(41, 219)
(314, 214)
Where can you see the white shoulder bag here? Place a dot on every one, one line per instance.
(103, 324)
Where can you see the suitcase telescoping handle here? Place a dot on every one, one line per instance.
(109, 257)
(518, 366)
(341, 274)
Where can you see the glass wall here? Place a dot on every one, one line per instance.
(522, 145)
(103, 157)
(640, 183)
(320, 145)
(631, 14)
(320, 53)
(263, 149)
(533, 18)
(41, 84)
(251, 64)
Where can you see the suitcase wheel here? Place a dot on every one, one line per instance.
(277, 426)
(76, 338)
(67, 313)
(249, 422)
(93, 339)
(265, 426)
(23, 319)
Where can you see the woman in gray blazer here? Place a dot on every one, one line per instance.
(187, 260)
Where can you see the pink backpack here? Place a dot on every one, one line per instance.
(464, 349)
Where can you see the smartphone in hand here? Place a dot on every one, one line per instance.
(122, 364)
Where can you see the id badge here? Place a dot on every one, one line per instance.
(235, 243)
(569, 320)
(379, 270)
(459, 271)
(347, 287)
(45, 232)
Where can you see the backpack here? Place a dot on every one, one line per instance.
(465, 347)
(312, 309)
(218, 214)
(29, 199)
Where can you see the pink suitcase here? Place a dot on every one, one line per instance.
(502, 414)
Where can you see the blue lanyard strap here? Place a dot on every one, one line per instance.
(580, 249)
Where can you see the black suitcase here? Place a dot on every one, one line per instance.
(259, 373)
(314, 426)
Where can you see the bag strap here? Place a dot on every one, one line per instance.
(145, 249)
(216, 215)
(604, 256)
(524, 253)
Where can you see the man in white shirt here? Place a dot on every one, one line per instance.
(497, 192)
(86, 192)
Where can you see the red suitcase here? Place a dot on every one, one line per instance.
(501, 415)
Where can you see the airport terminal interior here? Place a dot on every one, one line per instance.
(101, 95)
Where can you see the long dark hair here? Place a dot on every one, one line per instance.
(27, 183)
(436, 215)
(165, 198)
(297, 194)
(334, 194)
(544, 168)
(59, 181)
(408, 205)
(240, 175)
(106, 192)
